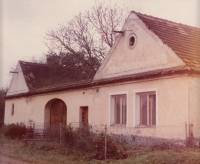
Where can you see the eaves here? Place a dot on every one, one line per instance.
(108, 81)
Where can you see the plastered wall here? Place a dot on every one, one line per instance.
(148, 52)
(194, 105)
(171, 97)
(18, 84)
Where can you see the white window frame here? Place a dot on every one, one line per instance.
(136, 100)
(111, 105)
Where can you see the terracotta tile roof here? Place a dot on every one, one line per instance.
(42, 75)
(182, 39)
(125, 78)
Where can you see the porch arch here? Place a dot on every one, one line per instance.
(55, 112)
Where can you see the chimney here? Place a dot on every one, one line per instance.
(49, 60)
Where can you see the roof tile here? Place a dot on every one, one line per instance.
(182, 39)
(43, 75)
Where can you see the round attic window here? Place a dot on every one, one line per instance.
(132, 41)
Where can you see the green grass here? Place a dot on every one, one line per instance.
(50, 153)
(46, 153)
(183, 156)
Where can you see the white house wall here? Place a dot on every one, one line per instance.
(18, 84)
(194, 105)
(148, 53)
(172, 106)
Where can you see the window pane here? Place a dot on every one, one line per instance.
(124, 110)
(152, 109)
(117, 109)
(12, 110)
(143, 109)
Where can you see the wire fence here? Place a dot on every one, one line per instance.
(113, 142)
(145, 136)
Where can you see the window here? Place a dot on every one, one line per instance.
(118, 109)
(146, 112)
(12, 110)
(84, 115)
(132, 40)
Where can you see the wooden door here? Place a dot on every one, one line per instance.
(58, 113)
(84, 114)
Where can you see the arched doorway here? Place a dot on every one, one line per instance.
(58, 112)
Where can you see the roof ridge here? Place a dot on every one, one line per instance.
(32, 63)
(40, 64)
(192, 27)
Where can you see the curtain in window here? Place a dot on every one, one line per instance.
(143, 109)
(152, 109)
(120, 109)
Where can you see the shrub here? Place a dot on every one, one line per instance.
(15, 131)
(113, 148)
(78, 139)
(190, 142)
(83, 140)
(161, 146)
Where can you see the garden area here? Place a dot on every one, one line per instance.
(84, 147)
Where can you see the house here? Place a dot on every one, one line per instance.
(148, 85)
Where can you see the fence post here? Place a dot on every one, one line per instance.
(105, 142)
(186, 130)
(60, 135)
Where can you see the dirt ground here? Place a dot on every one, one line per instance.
(9, 160)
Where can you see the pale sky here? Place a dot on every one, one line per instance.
(23, 23)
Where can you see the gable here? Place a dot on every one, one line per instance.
(18, 84)
(149, 52)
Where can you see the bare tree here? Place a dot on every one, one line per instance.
(87, 37)
(106, 19)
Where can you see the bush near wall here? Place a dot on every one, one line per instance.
(14, 131)
(1, 116)
(2, 106)
(82, 140)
